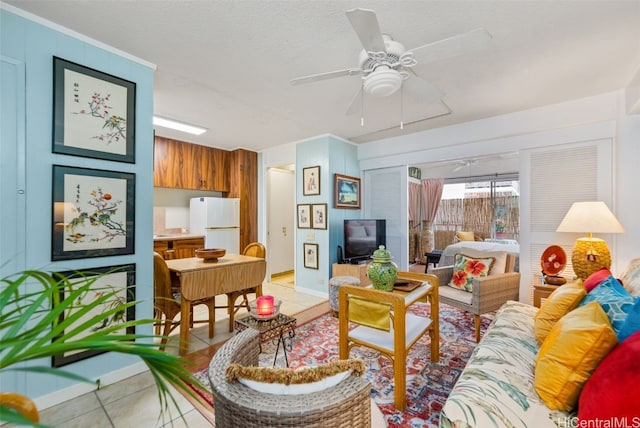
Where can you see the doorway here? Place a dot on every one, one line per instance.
(281, 223)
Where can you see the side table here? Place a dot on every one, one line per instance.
(432, 257)
(541, 292)
(271, 329)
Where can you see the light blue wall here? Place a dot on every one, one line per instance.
(333, 156)
(31, 47)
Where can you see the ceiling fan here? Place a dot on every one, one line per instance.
(386, 66)
(465, 163)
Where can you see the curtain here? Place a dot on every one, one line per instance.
(431, 193)
(414, 221)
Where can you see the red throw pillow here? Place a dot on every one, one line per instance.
(596, 278)
(611, 391)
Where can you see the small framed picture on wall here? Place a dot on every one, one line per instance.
(319, 216)
(311, 181)
(304, 216)
(310, 255)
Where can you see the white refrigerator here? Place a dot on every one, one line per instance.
(218, 219)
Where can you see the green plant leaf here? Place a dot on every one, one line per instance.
(37, 322)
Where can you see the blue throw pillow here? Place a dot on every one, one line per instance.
(632, 323)
(618, 304)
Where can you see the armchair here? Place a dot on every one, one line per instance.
(347, 404)
(488, 293)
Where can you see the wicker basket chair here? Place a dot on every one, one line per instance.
(489, 292)
(345, 405)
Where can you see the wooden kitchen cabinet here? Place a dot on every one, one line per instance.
(182, 165)
(178, 248)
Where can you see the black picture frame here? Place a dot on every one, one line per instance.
(304, 216)
(93, 113)
(93, 213)
(346, 192)
(319, 216)
(120, 278)
(311, 181)
(310, 255)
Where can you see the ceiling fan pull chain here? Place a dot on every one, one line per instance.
(362, 104)
(402, 107)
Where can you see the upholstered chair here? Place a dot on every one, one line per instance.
(488, 293)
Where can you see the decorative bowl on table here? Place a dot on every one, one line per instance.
(262, 315)
(210, 255)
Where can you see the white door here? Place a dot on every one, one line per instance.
(281, 221)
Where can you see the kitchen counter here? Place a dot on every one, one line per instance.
(175, 236)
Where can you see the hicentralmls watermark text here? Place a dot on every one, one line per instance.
(622, 422)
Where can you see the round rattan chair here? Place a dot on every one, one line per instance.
(345, 405)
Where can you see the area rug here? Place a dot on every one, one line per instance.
(428, 383)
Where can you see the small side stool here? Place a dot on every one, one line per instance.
(334, 288)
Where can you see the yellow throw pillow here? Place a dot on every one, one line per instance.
(570, 353)
(464, 236)
(563, 300)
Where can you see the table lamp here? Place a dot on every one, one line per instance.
(590, 254)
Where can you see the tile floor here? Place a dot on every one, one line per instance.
(134, 401)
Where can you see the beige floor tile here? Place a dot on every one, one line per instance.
(116, 391)
(61, 414)
(192, 419)
(95, 419)
(143, 409)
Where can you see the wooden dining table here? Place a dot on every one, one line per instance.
(199, 279)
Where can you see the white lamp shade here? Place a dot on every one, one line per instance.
(590, 217)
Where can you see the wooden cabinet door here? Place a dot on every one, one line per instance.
(184, 248)
(181, 165)
(172, 164)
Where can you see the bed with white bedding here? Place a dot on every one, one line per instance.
(508, 245)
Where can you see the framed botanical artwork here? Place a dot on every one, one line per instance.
(311, 181)
(319, 216)
(93, 113)
(346, 191)
(304, 216)
(310, 255)
(115, 285)
(93, 212)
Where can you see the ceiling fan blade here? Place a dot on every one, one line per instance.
(470, 41)
(365, 24)
(356, 103)
(326, 76)
(421, 89)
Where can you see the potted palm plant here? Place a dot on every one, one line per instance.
(31, 328)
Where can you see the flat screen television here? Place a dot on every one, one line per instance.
(362, 238)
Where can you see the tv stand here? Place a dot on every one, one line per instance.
(359, 271)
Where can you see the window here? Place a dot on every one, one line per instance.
(487, 206)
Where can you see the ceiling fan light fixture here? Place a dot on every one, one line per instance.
(382, 82)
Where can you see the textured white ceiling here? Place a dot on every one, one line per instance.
(226, 65)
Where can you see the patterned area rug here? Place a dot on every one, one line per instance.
(428, 384)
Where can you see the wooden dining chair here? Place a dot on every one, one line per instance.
(166, 302)
(254, 249)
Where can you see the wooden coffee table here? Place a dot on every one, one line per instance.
(282, 328)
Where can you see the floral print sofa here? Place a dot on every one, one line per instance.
(496, 388)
